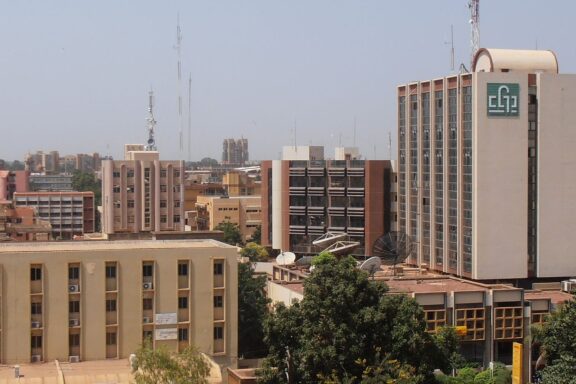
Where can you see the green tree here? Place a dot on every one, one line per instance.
(257, 235)
(562, 372)
(231, 231)
(448, 342)
(499, 375)
(252, 310)
(345, 318)
(159, 366)
(254, 252)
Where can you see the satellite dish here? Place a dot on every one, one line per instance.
(329, 238)
(304, 261)
(372, 265)
(393, 248)
(285, 258)
(342, 248)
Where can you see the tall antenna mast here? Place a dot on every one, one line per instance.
(452, 47)
(389, 145)
(151, 143)
(190, 118)
(178, 50)
(474, 6)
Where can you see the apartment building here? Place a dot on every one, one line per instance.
(94, 300)
(47, 183)
(235, 152)
(69, 213)
(142, 193)
(304, 199)
(22, 224)
(11, 182)
(244, 211)
(485, 165)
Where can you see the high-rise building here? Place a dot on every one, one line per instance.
(486, 184)
(302, 200)
(11, 182)
(142, 193)
(235, 152)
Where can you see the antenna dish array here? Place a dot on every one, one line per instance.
(286, 258)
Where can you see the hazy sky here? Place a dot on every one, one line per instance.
(75, 75)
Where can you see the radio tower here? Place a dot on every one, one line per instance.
(151, 144)
(474, 6)
(178, 50)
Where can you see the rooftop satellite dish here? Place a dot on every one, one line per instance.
(342, 248)
(329, 238)
(372, 265)
(304, 261)
(393, 248)
(285, 258)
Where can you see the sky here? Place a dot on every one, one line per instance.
(75, 75)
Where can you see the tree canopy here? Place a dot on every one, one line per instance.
(347, 330)
(231, 231)
(254, 252)
(159, 366)
(252, 310)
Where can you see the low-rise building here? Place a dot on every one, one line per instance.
(47, 183)
(11, 182)
(244, 211)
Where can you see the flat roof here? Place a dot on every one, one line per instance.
(555, 297)
(93, 245)
(438, 284)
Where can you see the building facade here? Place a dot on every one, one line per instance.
(94, 300)
(47, 183)
(11, 182)
(302, 200)
(235, 152)
(142, 194)
(485, 168)
(69, 213)
(244, 211)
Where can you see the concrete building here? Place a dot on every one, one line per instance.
(302, 200)
(244, 211)
(69, 213)
(312, 152)
(486, 166)
(47, 183)
(235, 152)
(94, 300)
(48, 163)
(22, 224)
(240, 183)
(142, 193)
(11, 182)
(347, 153)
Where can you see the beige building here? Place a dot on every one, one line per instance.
(245, 211)
(142, 193)
(486, 168)
(94, 300)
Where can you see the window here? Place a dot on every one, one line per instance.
(163, 172)
(163, 219)
(130, 173)
(218, 333)
(176, 173)
(74, 273)
(116, 189)
(110, 271)
(182, 302)
(162, 187)
(163, 204)
(116, 174)
(36, 308)
(218, 268)
(147, 270)
(130, 203)
(110, 338)
(183, 269)
(36, 273)
(36, 341)
(147, 304)
(177, 188)
(130, 189)
(182, 334)
(218, 301)
(130, 219)
(74, 306)
(176, 218)
(177, 204)
(74, 340)
(147, 335)
(111, 305)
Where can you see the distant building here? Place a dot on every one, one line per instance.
(82, 162)
(69, 213)
(245, 211)
(292, 152)
(22, 224)
(302, 200)
(486, 168)
(239, 183)
(48, 163)
(347, 153)
(11, 182)
(235, 152)
(47, 183)
(142, 193)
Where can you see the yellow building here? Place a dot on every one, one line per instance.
(245, 211)
(95, 300)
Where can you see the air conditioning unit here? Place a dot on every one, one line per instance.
(74, 359)
(74, 322)
(35, 358)
(36, 324)
(146, 320)
(74, 288)
(568, 286)
(148, 285)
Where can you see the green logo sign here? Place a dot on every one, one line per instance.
(503, 99)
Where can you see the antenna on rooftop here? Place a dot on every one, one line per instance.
(178, 47)
(389, 145)
(474, 6)
(295, 134)
(355, 123)
(190, 118)
(151, 143)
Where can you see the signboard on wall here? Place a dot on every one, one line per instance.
(166, 318)
(166, 334)
(503, 99)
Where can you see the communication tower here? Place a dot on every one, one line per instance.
(151, 143)
(474, 6)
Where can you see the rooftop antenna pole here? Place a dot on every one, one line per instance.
(151, 144)
(190, 118)
(355, 122)
(389, 145)
(178, 50)
(295, 134)
(474, 6)
(452, 47)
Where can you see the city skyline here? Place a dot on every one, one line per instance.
(76, 77)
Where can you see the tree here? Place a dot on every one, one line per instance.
(231, 231)
(158, 366)
(559, 344)
(499, 375)
(252, 310)
(254, 252)
(257, 235)
(346, 318)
